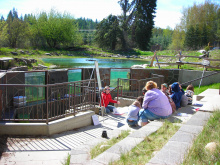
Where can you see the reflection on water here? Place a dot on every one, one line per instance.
(89, 63)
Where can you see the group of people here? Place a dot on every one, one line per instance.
(154, 104)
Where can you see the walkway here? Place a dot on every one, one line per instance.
(55, 149)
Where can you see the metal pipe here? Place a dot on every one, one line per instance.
(199, 78)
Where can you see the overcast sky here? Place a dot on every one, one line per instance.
(168, 12)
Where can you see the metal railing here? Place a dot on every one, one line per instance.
(132, 88)
(52, 101)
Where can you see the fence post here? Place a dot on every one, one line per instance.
(1, 101)
(74, 94)
(47, 103)
(94, 100)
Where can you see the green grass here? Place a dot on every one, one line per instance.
(79, 52)
(143, 152)
(197, 154)
(107, 144)
(198, 90)
(67, 160)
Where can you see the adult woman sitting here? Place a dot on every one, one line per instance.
(156, 104)
(106, 98)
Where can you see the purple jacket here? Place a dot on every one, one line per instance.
(157, 102)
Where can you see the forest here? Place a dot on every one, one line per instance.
(133, 29)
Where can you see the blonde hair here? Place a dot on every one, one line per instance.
(150, 85)
(106, 87)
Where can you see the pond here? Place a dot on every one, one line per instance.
(89, 62)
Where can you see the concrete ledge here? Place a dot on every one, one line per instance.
(23, 129)
(172, 153)
(58, 126)
(124, 102)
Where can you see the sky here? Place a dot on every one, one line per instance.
(168, 12)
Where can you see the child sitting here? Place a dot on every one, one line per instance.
(189, 93)
(184, 99)
(164, 89)
(133, 111)
(176, 94)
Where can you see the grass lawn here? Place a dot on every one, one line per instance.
(198, 90)
(211, 133)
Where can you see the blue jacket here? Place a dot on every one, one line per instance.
(176, 94)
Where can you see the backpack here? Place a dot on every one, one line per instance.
(184, 101)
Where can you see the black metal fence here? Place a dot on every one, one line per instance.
(132, 88)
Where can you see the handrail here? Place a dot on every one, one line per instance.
(199, 78)
(59, 100)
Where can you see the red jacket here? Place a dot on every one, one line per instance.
(106, 98)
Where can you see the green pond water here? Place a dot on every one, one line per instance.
(87, 63)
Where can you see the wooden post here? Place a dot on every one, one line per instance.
(151, 64)
(1, 101)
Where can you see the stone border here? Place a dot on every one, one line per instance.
(54, 127)
(181, 141)
(125, 145)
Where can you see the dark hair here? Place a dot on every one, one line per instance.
(190, 87)
(169, 89)
(140, 99)
(144, 90)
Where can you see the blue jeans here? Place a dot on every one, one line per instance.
(109, 108)
(132, 123)
(148, 115)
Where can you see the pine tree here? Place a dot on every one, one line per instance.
(204, 37)
(143, 23)
(189, 42)
(197, 39)
(108, 32)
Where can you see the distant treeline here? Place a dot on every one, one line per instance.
(134, 28)
(86, 24)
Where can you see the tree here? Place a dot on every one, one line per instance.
(205, 16)
(2, 25)
(204, 37)
(108, 33)
(163, 37)
(143, 23)
(125, 19)
(197, 38)
(137, 21)
(189, 42)
(15, 30)
(56, 29)
(218, 27)
(178, 38)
